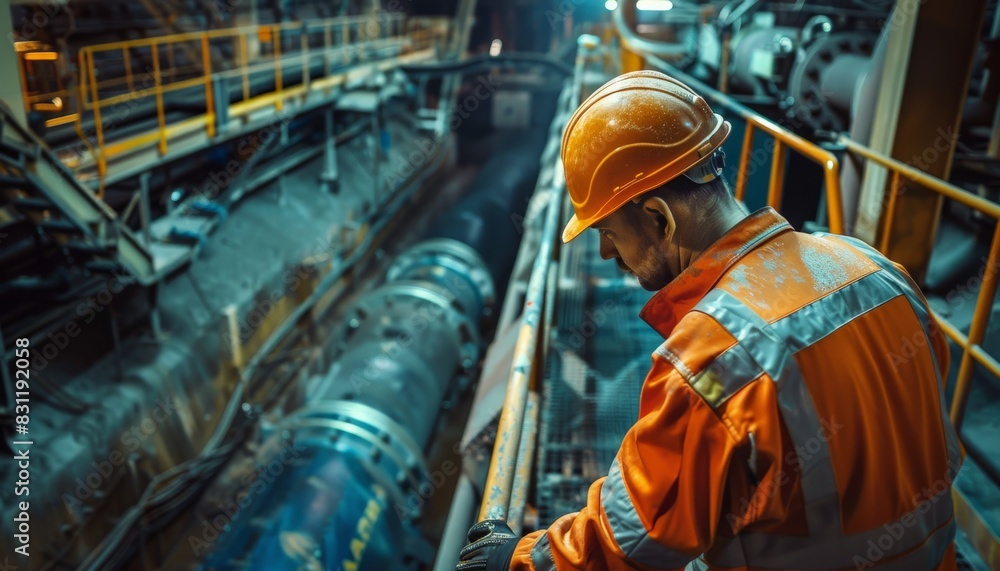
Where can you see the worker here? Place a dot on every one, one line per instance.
(794, 416)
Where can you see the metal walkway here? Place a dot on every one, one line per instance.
(599, 353)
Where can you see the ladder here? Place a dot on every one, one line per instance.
(35, 183)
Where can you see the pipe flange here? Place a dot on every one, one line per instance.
(463, 326)
(451, 254)
(809, 103)
(387, 445)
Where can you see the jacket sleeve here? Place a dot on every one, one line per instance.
(659, 506)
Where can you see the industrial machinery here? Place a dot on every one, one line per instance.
(290, 277)
(360, 437)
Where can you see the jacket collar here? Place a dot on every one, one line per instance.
(677, 298)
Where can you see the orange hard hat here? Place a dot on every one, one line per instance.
(636, 133)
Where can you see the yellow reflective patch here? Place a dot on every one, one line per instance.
(709, 385)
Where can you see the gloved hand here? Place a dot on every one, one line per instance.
(491, 547)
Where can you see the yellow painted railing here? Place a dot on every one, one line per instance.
(254, 50)
(785, 140)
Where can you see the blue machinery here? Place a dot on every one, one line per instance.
(351, 477)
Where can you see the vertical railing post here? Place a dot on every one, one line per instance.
(345, 39)
(127, 60)
(279, 102)
(246, 65)
(304, 48)
(327, 46)
(977, 330)
(777, 184)
(206, 63)
(890, 209)
(741, 169)
(834, 200)
(158, 89)
(102, 165)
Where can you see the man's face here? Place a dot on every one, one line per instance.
(639, 246)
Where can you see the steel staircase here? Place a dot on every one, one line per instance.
(36, 185)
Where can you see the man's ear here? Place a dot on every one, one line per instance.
(657, 209)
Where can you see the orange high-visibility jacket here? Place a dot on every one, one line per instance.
(794, 418)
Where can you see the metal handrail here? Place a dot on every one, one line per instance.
(518, 415)
(503, 463)
(971, 344)
(340, 34)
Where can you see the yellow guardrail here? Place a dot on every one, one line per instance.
(269, 48)
(783, 141)
(969, 518)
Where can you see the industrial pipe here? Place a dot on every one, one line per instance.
(352, 493)
(475, 64)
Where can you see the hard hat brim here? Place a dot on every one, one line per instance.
(573, 229)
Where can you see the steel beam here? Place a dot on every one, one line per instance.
(10, 91)
(920, 128)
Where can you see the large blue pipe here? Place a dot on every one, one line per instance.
(355, 488)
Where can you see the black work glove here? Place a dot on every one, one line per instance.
(491, 547)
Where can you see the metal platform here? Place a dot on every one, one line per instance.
(599, 353)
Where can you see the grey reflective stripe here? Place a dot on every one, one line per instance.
(697, 565)
(771, 346)
(930, 552)
(904, 285)
(928, 535)
(772, 354)
(629, 531)
(541, 554)
(826, 315)
(737, 367)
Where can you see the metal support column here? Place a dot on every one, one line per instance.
(330, 176)
(376, 152)
(920, 126)
(10, 91)
(145, 213)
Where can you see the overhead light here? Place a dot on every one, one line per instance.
(41, 56)
(654, 5)
(495, 47)
(611, 5)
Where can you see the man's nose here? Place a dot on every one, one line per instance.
(608, 249)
